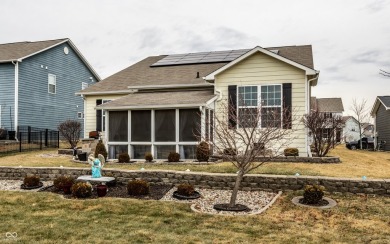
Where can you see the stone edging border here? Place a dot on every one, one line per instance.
(249, 214)
(331, 203)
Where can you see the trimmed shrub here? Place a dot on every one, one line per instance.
(101, 149)
(81, 189)
(61, 181)
(185, 189)
(173, 157)
(31, 180)
(313, 194)
(291, 151)
(203, 152)
(148, 157)
(124, 158)
(138, 187)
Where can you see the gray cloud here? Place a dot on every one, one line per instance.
(149, 38)
(376, 6)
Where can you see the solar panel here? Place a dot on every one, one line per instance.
(200, 58)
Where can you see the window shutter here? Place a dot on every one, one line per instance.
(98, 116)
(287, 106)
(232, 108)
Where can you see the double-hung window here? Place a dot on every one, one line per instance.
(260, 106)
(52, 84)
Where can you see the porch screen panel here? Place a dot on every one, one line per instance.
(165, 125)
(189, 127)
(118, 121)
(141, 125)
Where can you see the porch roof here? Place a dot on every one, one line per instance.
(169, 99)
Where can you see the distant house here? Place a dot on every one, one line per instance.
(350, 129)
(368, 130)
(154, 105)
(381, 114)
(38, 82)
(330, 107)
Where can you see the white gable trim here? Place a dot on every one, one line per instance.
(308, 71)
(376, 106)
(73, 47)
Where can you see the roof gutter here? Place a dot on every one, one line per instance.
(152, 87)
(119, 92)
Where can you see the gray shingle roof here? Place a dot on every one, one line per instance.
(17, 50)
(160, 99)
(334, 105)
(142, 74)
(385, 100)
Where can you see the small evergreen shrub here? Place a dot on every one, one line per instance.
(313, 194)
(203, 152)
(148, 157)
(185, 189)
(173, 157)
(61, 181)
(138, 187)
(31, 180)
(81, 190)
(124, 158)
(291, 151)
(101, 149)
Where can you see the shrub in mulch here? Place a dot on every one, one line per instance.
(186, 192)
(31, 182)
(203, 152)
(62, 181)
(124, 158)
(291, 151)
(148, 157)
(138, 187)
(313, 194)
(81, 190)
(173, 157)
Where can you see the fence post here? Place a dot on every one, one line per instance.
(40, 140)
(29, 134)
(46, 137)
(20, 141)
(58, 139)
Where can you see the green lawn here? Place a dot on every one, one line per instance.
(354, 164)
(48, 218)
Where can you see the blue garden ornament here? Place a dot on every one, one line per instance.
(96, 165)
(364, 177)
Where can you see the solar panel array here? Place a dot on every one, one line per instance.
(199, 58)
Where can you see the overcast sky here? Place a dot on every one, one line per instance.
(350, 38)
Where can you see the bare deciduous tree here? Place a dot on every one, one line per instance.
(70, 130)
(250, 136)
(361, 114)
(322, 130)
(384, 73)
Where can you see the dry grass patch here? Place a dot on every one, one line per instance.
(355, 220)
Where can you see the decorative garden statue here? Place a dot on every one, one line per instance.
(97, 165)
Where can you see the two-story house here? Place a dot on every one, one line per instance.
(38, 81)
(381, 114)
(156, 104)
(330, 107)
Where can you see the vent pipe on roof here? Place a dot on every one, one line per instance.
(197, 75)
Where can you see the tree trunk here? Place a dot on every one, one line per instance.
(233, 198)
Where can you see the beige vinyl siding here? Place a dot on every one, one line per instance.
(90, 111)
(261, 69)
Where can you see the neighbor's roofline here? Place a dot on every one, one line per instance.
(376, 106)
(308, 70)
(57, 44)
(119, 92)
(170, 86)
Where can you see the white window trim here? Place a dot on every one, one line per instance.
(55, 83)
(259, 102)
(104, 125)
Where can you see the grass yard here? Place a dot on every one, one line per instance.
(47, 218)
(355, 163)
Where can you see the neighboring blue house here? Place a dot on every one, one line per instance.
(38, 81)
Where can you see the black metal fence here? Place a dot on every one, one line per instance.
(29, 138)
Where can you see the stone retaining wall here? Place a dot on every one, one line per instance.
(212, 180)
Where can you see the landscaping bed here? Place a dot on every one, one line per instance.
(156, 192)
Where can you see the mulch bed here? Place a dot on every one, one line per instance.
(321, 203)
(156, 192)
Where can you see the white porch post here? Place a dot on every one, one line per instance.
(152, 131)
(177, 121)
